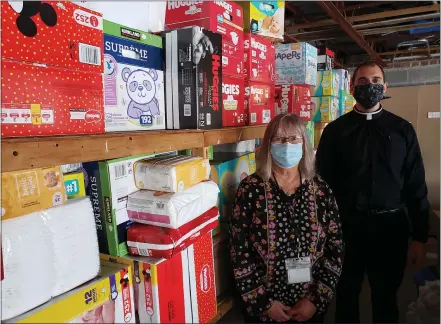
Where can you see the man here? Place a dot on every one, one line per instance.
(372, 160)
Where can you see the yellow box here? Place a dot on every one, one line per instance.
(28, 191)
(74, 184)
(264, 18)
(171, 173)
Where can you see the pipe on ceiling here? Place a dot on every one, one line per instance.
(397, 20)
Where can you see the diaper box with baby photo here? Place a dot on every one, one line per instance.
(32, 190)
(133, 79)
(259, 63)
(294, 99)
(264, 18)
(233, 91)
(259, 103)
(296, 63)
(222, 17)
(326, 108)
(328, 84)
(193, 78)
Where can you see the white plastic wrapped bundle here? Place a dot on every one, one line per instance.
(74, 244)
(425, 310)
(28, 264)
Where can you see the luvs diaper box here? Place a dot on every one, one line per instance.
(259, 103)
(106, 299)
(295, 99)
(193, 79)
(178, 290)
(328, 84)
(52, 55)
(222, 17)
(133, 79)
(259, 63)
(28, 191)
(265, 18)
(296, 64)
(233, 92)
(326, 108)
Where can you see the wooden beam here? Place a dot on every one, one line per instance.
(378, 15)
(372, 4)
(417, 50)
(376, 31)
(233, 135)
(336, 15)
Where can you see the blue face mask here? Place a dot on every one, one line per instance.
(287, 155)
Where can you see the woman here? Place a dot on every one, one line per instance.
(285, 233)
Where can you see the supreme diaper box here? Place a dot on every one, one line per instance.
(171, 173)
(296, 63)
(328, 84)
(193, 79)
(326, 108)
(32, 190)
(178, 290)
(133, 79)
(233, 92)
(222, 17)
(259, 59)
(259, 103)
(264, 18)
(295, 99)
(106, 299)
(347, 103)
(75, 185)
(108, 184)
(228, 172)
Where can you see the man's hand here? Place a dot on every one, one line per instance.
(303, 310)
(416, 254)
(278, 312)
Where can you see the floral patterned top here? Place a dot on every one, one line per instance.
(260, 242)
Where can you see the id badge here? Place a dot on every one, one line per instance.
(298, 269)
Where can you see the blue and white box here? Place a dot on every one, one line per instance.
(296, 64)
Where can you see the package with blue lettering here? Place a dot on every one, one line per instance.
(296, 64)
(133, 79)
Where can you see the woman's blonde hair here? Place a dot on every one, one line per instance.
(285, 125)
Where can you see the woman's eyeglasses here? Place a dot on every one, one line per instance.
(289, 139)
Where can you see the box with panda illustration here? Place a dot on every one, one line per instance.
(223, 17)
(193, 79)
(233, 91)
(133, 79)
(259, 103)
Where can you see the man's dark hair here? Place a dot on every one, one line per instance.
(364, 64)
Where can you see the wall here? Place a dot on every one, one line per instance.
(413, 104)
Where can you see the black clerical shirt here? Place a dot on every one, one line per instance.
(373, 162)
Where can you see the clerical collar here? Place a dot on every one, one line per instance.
(370, 116)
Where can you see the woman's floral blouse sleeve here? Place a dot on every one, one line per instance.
(249, 277)
(327, 268)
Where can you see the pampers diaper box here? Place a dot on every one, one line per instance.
(344, 80)
(296, 64)
(233, 92)
(347, 103)
(310, 132)
(133, 79)
(326, 108)
(328, 84)
(264, 18)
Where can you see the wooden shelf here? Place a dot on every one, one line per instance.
(223, 308)
(35, 152)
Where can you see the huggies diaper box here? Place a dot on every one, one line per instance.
(326, 108)
(51, 69)
(193, 79)
(223, 17)
(259, 62)
(328, 84)
(179, 290)
(233, 92)
(265, 18)
(106, 299)
(296, 64)
(295, 99)
(28, 191)
(133, 79)
(259, 103)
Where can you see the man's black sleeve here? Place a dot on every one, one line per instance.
(325, 156)
(415, 189)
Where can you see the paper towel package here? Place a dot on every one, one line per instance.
(172, 209)
(162, 242)
(326, 108)
(179, 290)
(328, 84)
(106, 299)
(133, 79)
(27, 191)
(75, 185)
(296, 64)
(171, 173)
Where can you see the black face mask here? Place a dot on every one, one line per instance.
(368, 95)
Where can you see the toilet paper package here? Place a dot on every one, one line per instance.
(162, 242)
(326, 108)
(27, 191)
(171, 174)
(172, 209)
